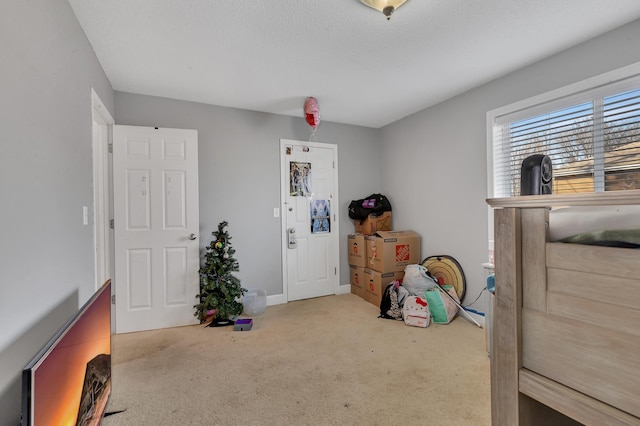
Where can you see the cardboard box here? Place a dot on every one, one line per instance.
(356, 274)
(357, 280)
(374, 223)
(358, 291)
(375, 282)
(372, 298)
(357, 249)
(390, 251)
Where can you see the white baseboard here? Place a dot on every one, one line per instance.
(276, 299)
(279, 299)
(344, 289)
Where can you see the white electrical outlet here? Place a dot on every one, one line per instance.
(276, 212)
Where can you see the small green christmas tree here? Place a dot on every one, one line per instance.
(220, 291)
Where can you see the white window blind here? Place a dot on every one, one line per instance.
(592, 138)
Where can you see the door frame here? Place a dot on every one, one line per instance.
(101, 133)
(284, 187)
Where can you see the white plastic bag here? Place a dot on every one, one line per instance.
(416, 280)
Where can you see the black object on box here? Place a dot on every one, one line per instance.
(536, 175)
(373, 204)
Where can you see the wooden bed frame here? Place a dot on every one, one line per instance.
(566, 320)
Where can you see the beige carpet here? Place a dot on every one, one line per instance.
(324, 361)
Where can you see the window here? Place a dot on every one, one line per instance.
(591, 132)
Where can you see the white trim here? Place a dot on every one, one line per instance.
(101, 123)
(276, 299)
(344, 289)
(283, 222)
(588, 84)
(280, 299)
(490, 176)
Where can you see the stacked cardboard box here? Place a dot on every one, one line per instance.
(388, 252)
(374, 223)
(357, 260)
(357, 280)
(376, 260)
(375, 282)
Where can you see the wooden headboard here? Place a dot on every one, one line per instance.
(566, 323)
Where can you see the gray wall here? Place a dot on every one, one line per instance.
(432, 165)
(435, 160)
(46, 74)
(239, 174)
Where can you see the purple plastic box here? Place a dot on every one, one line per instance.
(243, 324)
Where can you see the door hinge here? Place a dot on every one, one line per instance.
(113, 299)
(335, 271)
(111, 223)
(110, 148)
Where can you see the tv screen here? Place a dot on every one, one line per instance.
(69, 381)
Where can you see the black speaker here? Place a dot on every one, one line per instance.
(536, 175)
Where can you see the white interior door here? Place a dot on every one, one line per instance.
(155, 184)
(309, 219)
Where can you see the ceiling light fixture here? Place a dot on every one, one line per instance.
(385, 6)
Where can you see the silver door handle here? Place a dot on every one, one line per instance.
(193, 237)
(291, 240)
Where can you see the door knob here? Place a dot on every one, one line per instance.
(192, 237)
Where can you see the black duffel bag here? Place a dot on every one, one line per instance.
(373, 204)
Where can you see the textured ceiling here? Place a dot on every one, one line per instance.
(364, 70)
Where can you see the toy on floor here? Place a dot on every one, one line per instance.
(243, 324)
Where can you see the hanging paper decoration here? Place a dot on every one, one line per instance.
(312, 112)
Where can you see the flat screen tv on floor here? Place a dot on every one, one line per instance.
(69, 381)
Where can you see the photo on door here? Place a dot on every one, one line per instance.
(320, 216)
(299, 179)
